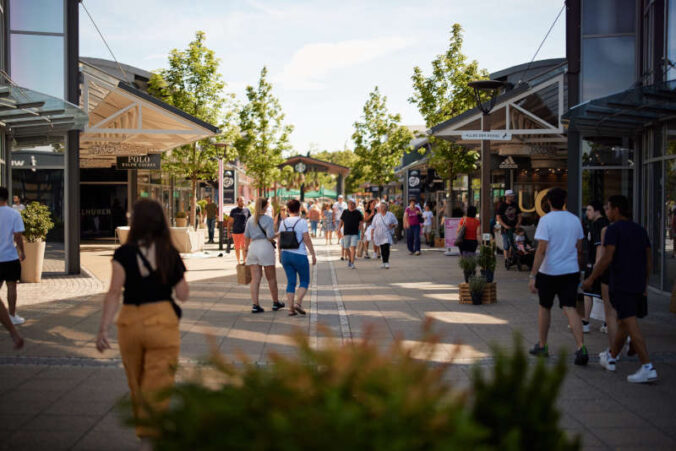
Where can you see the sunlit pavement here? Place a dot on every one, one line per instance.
(60, 393)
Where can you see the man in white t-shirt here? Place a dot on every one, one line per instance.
(11, 256)
(556, 271)
(338, 208)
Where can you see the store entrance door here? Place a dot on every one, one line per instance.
(103, 208)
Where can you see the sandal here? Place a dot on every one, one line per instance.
(299, 309)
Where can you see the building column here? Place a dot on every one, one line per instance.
(485, 177)
(574, 200)
(340, 188)
(72, 155)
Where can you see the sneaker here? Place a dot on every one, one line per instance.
(417, 253)
(382, 265)
(586, 327)
(644, 375)
(607, 361)
(378, 256)
(538, 350)
(257, 309)
(581, 356)
(604, 329)
(17, 320)
(387, 266)
(277, 305)
(352, 266)
(367, 255)
(341, 259)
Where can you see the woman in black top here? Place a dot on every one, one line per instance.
(149, 268)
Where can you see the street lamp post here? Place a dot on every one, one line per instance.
(490, 87)
(220, 193)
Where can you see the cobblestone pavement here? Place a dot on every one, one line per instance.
(59, 393)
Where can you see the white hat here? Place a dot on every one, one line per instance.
(509, 192)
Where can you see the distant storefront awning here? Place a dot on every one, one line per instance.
(27, 113)
(625, 113)
(125, 121)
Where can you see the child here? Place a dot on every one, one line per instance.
(428, 220)
(522, 244)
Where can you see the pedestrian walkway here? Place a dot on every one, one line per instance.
(59, 392)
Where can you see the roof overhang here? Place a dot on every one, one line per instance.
(315, 165)
(25, 113)
(126, 121)
(528, 116)
(625, 113)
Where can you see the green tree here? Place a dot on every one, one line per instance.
(379, 141)
(444, 94)
(349, 159)
(264, 136)
(193, 84)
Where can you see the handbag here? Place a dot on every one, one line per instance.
(461, 235)
(287, 238)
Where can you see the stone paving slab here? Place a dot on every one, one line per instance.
(60, 377)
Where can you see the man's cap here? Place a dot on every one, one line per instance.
(509, 192)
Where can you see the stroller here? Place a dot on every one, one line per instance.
(523, 254)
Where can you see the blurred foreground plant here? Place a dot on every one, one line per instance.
(358, 397)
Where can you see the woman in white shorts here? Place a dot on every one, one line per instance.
(259, 254)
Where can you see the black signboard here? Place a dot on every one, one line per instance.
(140, 162)
(229, 187)
(414, 184)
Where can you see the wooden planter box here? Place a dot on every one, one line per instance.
(439, 242)
(490, 294)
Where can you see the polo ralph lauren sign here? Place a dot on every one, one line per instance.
(140, 162)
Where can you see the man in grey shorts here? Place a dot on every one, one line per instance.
(351, 221)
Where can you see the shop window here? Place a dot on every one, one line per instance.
(671, 40)
(600, 184)
(44, 16)
(37, 63)
(608, 16)
(606, 153)
(670, 225)
(46, 187)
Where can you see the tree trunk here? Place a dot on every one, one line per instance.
(193, 202)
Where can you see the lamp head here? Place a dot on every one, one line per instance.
(492, 87)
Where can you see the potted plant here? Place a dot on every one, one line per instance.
(37, 223)
(487, 262)
(468, 266)
(181, 219)
(476, 288)
(431, 243)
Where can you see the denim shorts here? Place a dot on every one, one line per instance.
(350, 241)
(296, 266)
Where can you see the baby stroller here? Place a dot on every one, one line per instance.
(523, 254)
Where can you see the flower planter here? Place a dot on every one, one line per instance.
(476, 297)
(181, 222)
(439, 242)
(489, 295)
(31, 267)
(488, 275)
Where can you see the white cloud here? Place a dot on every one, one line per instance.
(312, 62)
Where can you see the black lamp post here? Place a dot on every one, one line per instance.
(224, 146)
(490, 88)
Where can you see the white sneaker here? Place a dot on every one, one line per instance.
(643, 375)
(606, 361)
(586, 328)
(604, 329)
(387, 266)
(382, 265)
(17, 320)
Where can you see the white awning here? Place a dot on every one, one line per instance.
(126, 121)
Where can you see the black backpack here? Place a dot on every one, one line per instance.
(287, 238)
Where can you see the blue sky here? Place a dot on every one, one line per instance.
(325, 56)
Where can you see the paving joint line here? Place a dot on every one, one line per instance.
(314, 309)
(345, 331)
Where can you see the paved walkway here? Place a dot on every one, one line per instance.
(59, 392)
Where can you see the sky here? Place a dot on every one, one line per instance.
(324, 57)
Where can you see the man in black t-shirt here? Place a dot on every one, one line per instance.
(509, 218)
(597, 222)
(351, 221)
(237, 222)
(627, 253)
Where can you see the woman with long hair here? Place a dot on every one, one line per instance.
(146, 269)
(294, 259)
(259, 254)
(471, 239)
(281, 215)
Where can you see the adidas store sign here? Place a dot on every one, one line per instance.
(509, 163)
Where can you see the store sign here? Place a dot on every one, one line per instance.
(35, 160)
(140, 162)
(451, 226)
(229, 187)
(485, 136)
(509, 163)
(414, 184)
(300, 167)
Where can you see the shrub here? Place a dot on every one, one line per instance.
(181, 215)
(203, 205)
(357, 396)
(467, 264)
(487, 259)
(37, 221)
(477, 284)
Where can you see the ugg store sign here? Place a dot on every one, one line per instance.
(139, 162)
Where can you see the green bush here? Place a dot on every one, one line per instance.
(181, 215)
(477, 284)
(203, 205)
(487, 260)
(359, 397)
(37, 221)
(467, 264)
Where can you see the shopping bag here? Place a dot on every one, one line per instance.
(243, 275)
(360, 249)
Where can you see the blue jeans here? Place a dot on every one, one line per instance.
(507, 239)
(296, 264)
(413, 238)
(314, 224)
(211, 223)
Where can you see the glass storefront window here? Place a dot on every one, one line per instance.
(599, 184)
(37, 62)
(606, 153)
(671, 40)
(608, 16)
(608, 65)
(36, 15)
(653, 221)
(670, 225)
(44, 186)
